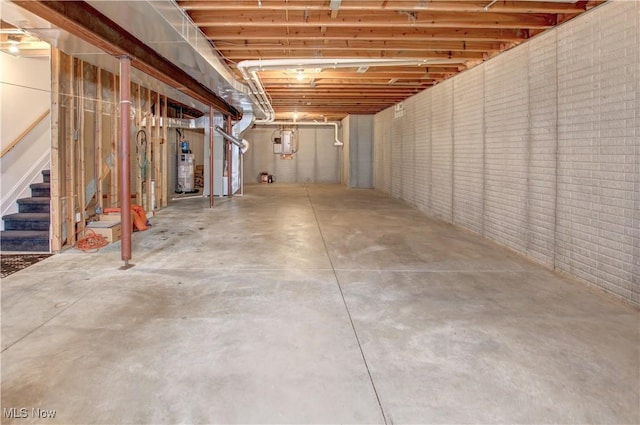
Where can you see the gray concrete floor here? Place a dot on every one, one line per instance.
(312, 304)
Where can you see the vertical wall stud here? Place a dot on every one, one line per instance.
(57, 215)
(115, 172)
(70, 153)
(211, 145)
(165, 159)
(98, 138)
(80, 142)
(229, 161)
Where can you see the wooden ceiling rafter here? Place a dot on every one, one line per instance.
(466, 31)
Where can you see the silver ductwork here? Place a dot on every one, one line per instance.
(243, 144)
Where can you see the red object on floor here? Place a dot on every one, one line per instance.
(139, 216)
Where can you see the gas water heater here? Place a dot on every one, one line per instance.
(186, 169)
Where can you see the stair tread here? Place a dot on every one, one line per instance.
(40, 185)
(24, 234)
(27, 217)
(34, 200)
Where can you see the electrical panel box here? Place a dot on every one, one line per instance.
(284, 143)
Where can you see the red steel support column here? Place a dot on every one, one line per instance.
(229, 159)
(211, 179)
(125, 162)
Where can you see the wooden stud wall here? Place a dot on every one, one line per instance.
(84, 146)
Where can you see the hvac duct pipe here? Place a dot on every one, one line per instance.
(239, 129)
(125, 161)
(242, 144)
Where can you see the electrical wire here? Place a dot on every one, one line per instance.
(141, 149)
(91, 242)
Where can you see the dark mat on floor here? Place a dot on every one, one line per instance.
(11, 263)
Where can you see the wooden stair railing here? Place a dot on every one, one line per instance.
(24, 133)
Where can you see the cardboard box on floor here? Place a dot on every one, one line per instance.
(113, 217)
(111, 230)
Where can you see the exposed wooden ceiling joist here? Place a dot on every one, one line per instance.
(468, 32)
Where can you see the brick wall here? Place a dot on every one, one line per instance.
(537, 149)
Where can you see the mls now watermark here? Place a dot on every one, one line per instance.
(24, 413)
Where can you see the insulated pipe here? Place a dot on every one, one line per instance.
(211, 181)
(337, 141)
(125, 160)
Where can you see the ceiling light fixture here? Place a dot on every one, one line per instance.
(300, 76)
(14, 40)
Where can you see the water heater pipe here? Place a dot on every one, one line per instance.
(336, 142)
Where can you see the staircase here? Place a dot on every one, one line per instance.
(28, 229)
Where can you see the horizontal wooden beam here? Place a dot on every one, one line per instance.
(355, 76)
(355, 44)
(87, 23)
(395, 5)
(371, 19)
(364, 33)
(365, 54)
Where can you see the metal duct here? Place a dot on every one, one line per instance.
(242, 144)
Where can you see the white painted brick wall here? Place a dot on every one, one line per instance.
(442, 150)
(561, 166)
(597, 142)
(506, 148)
(396, 156)
(468, 150)
(382, 151)
(408, 151)
(543, 112)
(423, 151)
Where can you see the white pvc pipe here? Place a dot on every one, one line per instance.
(337, 141)
(250, 68)
(275, 64)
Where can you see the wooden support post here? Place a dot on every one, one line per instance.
(139, 154)
(229, 161)
(70, 159)
(57, 215)
(115, 172)
(80, 143)
(211, 144)
(156, 143)
(165, 159)
(98, 139)
(147, 162)
(125, 159)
